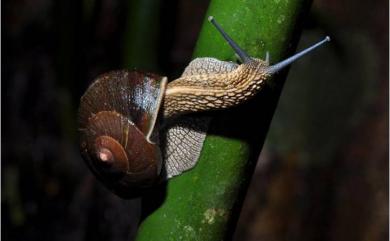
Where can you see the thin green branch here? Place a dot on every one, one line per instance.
(204, 203)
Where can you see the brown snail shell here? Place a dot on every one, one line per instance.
(117, 117)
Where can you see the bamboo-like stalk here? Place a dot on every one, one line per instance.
(204, 203)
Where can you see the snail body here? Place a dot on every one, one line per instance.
(122, 112)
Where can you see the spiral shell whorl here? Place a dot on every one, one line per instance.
(116, 117)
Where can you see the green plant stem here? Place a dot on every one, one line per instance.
(204, 203)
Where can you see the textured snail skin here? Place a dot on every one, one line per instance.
(181, 143)
(210, 84)
(206, 84)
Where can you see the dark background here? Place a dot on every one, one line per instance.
(322, 174)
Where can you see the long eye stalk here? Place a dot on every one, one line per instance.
(241, 53)
(245, 58)
(279, 66)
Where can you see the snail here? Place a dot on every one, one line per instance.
(122, 116)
